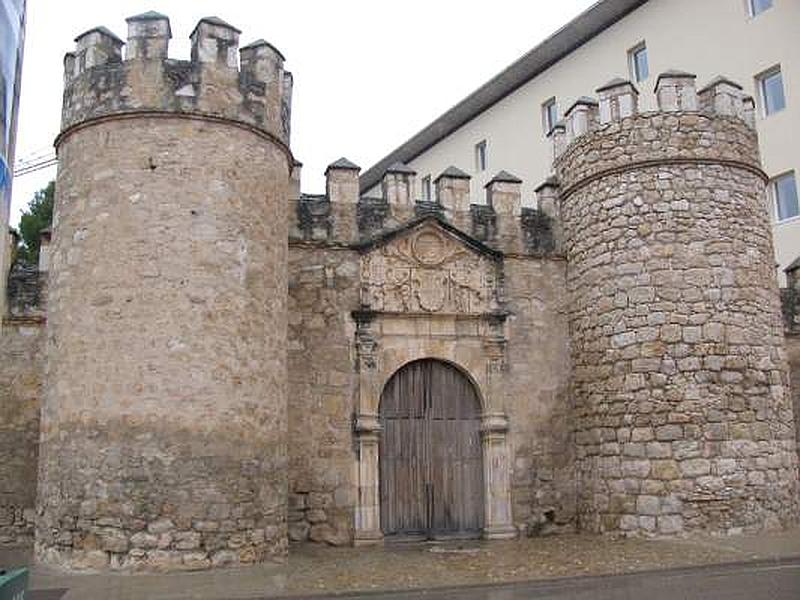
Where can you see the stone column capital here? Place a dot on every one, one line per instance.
(494, 423)
(367, 424)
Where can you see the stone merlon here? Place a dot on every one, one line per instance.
(100, 84)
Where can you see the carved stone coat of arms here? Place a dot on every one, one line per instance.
(428, 270)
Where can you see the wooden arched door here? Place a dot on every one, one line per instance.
(431, 469)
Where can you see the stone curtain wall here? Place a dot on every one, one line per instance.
(537, 396)
(164, 418)
(21, 367)
(682, 412)
(323, 290)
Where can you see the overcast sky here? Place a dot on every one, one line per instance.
(368, 73)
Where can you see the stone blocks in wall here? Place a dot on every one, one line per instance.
(373, 215)
(682, 412)
(314, 217)
(21, 371)
(164, 420)
(324, 288)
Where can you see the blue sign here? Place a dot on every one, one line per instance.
(5, 175)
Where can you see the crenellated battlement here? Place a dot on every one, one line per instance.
(248, 85)
(343, 216)
(716, 123)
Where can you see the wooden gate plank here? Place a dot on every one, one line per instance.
(431, 472)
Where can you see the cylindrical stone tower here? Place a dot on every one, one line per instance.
(683, 420)
(164, 421)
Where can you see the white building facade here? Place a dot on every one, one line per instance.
(504, 124)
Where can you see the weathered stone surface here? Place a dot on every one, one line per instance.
(22, 342)
(165, 395)
(676, 327)
(164, 432)
(327, 533)
(298, 531)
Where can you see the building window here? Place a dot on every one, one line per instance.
(480, 156)
(426, 188)
(784, 194)
(770, 89)
(640, 68)
(758, 6)
(549, 115)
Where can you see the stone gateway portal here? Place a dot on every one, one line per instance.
(431, 474)
(224, 364)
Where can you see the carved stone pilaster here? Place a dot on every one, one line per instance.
(497, 478)
(366, 344)
(496, 344)
(368, 517)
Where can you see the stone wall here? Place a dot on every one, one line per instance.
(163, 434)
(175, 375)
(624, 337)
(323, 291)
(22, 361)
(537, 396)
(342, 249)
(682, 413)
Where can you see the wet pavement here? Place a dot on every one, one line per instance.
(406, 570)
(768, 581)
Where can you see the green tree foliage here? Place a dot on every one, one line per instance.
(37, 217)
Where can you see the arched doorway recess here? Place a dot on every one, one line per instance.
(431, 456)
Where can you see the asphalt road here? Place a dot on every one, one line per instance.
(769, 580)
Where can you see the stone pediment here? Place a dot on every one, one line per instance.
(429, 267)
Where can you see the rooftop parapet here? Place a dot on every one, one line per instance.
(714, 124)
(98, 83)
